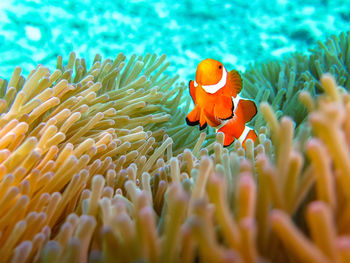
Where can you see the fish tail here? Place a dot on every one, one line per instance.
(251, 135)
(242, 136)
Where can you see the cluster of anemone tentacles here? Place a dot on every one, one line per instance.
(281, 83)
(98, 165)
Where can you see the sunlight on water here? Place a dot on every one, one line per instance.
(235, 32)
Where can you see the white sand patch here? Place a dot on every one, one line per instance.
(33, 33)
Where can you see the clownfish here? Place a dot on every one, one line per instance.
(215, 93)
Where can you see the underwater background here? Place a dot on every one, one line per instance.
(187, 31)
(97, 163)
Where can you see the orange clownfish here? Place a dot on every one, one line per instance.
(215, 93)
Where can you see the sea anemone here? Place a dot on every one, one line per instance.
(280, 83)
(98, 165)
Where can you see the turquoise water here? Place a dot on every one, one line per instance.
(187, 31)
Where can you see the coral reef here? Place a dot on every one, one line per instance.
(97, 165)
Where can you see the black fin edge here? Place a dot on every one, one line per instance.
(191, 123)
(230, 143)
(232, 110)
(203, 127)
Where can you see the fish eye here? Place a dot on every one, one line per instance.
(220, 67)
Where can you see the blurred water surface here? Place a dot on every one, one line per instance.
(187, 31)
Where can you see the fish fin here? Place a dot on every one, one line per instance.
(236, 82)
(249, 109)
(228, 139)
(211, 119)
(192, 91)
(202, 120)
(192, 118)
(251, 135)
(223, 109)
(203, 127)
(233, 129)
